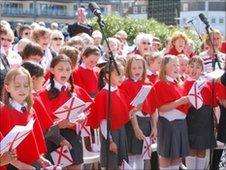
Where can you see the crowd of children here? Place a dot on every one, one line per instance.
(42, 71)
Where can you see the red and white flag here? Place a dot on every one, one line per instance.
(16, 136)
(72, 109)
(146, 151)
(125, 166)
(194, 94)
(62, 157)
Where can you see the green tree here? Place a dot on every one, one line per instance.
(134, 26)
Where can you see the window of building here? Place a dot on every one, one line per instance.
(213, 20)
(135, 10)
(143, 9)
(196, 6)
(217, 6)
(185, 7)
(221, 20)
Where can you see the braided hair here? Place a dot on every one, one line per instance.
(53, 91)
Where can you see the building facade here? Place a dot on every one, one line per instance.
(63, 11)
(214, 10)
(166, 11)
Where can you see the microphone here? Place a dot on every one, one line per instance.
(190, 21)
(204, 19)
(95, 9)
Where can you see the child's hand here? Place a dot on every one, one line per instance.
(113, 147)
(154, 133)
(223, 103)
(81, 118)
(44, 162)
(66, 143)
(8, 157)
(63, 123)
(136, 109)
(184, 100)
(139, 134)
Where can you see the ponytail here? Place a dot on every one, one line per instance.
(101, 78)
(53, 91)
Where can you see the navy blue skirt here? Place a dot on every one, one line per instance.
(135, 145)
(114, 160)
(221, 135)
(201, 128)
(172, 138)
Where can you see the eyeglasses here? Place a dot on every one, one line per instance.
(6, 39)
(146, 43)
(55, 39)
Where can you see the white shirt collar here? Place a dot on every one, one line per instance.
(56, 85)
(135, 80)
(149, 72)
(83, 65)
(17, 105)
(170, 79)
(113, 88)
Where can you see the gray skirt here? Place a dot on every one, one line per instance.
(135, 145)
(201, 128)
(114, 160)
(172, 138)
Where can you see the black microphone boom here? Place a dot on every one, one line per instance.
(204, 19)
(190, 21)
(95, 9)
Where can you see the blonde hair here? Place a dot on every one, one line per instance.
(212, 32)
(197, 60)
(7, 31)
(56, 33)
(10, 78)
(176, 35)
(151, 57)
(135, 57)
(72, 53)
(76, 40)
(39, 32)
(166, 59)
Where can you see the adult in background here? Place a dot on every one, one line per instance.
(81, 25)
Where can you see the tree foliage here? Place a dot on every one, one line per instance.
(134, 26)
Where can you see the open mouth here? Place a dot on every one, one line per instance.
(22, 95)
(63, 78)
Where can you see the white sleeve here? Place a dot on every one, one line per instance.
(103, 129)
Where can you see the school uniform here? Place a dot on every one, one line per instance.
(119, 117)
(11, 116)
(152, 77)
(51, 132)
(173, 51)
(87, 79)
(69, 134)
(221, 95)
(131, 88)
(42, 114)
(2, 167)
(172, 139)
(200, 122)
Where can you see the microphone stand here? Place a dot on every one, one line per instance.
(111, 61)
(196, 30)
(214, 61)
